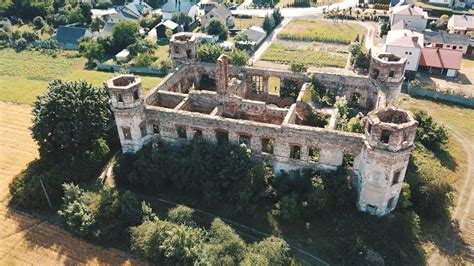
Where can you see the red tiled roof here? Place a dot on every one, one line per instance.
(441, 58)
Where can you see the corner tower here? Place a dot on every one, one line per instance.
(127, 104)
(389, 70)
(390, 134)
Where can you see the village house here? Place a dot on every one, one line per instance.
(439, 61)
(461, 24)
(189, 7)
(446, 41)
(413, 17)
(69, 37)
(218, 11)
(407, 44)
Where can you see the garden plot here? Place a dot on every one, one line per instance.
(316, 43)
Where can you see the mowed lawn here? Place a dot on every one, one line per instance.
(308, 55)
(25, 75)
(322, 31)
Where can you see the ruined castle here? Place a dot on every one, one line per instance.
(221, 102)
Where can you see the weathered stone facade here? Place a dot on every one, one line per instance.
(220, 101)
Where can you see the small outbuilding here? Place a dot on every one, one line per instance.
(122, 56)
(440, 61)
(163, 26)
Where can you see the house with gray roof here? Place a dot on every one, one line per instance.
(188, 7)
(69, 37)
(217, 11)
(446, 41)
(136, 9)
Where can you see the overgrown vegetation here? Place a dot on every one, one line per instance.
(210, 53)
(69, 126)
(307, 55)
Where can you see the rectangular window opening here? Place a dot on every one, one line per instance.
(156, 129)
(135, 95)
(126, 133)
(143, 130)
(120, 98)
(396, 177)
(385, 136)
(222, 137)
(267, 145)
(295, 152)
(198, 134)
(181, 132)
(245, 139)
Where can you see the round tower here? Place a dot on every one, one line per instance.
(127, 104)
(389, 70)
(390, 134)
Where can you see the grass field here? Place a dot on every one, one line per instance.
(245, 23)
(322, 31)
(25, 75)
(286, 54)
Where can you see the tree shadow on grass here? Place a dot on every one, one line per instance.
(446, 236)
(445, 158)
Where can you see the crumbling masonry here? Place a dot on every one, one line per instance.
(221, 102)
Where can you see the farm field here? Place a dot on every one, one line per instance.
(322, 31)
(309, 55)
(26, 239)
(25, 75)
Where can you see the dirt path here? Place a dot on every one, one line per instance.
(25, 239)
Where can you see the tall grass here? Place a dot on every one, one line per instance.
(304, 54)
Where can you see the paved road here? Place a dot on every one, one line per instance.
(296, 12)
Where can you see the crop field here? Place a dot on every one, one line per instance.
(308, 55)
(25, 75)
(322, 31)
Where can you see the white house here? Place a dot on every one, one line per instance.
(412, 16)
(461, 24)
(407, 44)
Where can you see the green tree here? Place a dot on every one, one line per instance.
(181, 215)
(209, 52)
(277, 16)
(69, 117)
(125, 33)
(144, 60)
(38, 22)
(289, 209)
(130, 208)
(141, 46)
(224, 245)
(97, 24)
(238, 57)
(76, 211)
(182, 19)
(274, 249)
(92, 50)
(268, 24)
(75, 15)
(429, 133)
(217, 28)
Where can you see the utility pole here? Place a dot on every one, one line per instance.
(46, 194)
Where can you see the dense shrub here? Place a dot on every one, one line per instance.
(92, 214)
(429, 133)
(38, 22)
(268, 24)
(217, 28)
(234, 177)
(181, 215)
(209, 52)
(298, 67)
(238, 57)
(124, 34)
